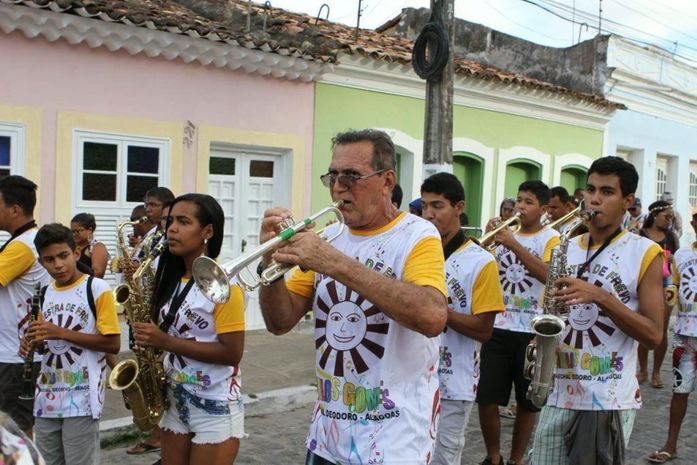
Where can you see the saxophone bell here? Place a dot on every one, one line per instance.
(124, 377)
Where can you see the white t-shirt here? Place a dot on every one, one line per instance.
(377, 380)
(200, 319)
(596, 361)
(71, 381)
(472, 282)
(685, 273)
(522, 294)
(19, 271)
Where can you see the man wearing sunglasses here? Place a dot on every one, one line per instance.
(378, 297)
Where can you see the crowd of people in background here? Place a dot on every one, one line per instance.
(462, 309)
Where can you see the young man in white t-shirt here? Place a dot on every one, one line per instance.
(19, 271)
(77, 325)
(474, 299)
(522, 259)
(684, 344)
(613, 292)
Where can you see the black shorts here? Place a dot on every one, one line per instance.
(501, 364)
(21, 411)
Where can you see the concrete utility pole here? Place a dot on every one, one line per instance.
(438, 125)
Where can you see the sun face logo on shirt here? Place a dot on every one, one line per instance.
(688, 285)
(348, 323)
(512, 275)
(585, 318)
(63, 354)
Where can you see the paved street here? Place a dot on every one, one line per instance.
(279, 438)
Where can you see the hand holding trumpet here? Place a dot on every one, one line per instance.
(277, 232)
(305, 249)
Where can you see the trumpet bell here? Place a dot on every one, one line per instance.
(211, 279)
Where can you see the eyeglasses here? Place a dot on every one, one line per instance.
(347, 180)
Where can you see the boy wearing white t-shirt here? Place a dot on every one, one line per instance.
(522, 258)
(613, 292)
(474, 299)
(684, 344)
(77, 325)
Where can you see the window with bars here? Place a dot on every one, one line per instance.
(661, 182)
(693, 187)
(118, 169)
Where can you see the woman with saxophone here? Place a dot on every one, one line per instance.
(202, 342)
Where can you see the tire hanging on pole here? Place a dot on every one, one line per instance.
(434, 40)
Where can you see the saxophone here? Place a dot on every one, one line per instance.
(28, 380)
(142, 379)
(540, 354)
(122, 252)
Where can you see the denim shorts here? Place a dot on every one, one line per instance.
(210, 421)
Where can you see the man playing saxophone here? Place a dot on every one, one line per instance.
(613, 291)
(474, 299)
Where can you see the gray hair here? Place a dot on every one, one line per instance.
(383, 148)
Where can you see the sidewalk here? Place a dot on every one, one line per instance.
(277, 375)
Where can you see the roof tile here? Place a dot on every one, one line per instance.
(275, 30)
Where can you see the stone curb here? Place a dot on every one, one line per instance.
(278, 400)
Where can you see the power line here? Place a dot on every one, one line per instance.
(682, 13)
(591, 17)
(617, 28)
(522, 25)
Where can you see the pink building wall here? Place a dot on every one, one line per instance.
(57, 76)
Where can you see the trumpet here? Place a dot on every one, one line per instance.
(214, 280)
(558, 223)
(513, 221)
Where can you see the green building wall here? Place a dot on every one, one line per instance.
(339, 108)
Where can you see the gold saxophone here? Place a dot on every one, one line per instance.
(540, 354)
(122, 253)
(142, 379)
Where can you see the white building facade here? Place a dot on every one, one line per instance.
(658, 132)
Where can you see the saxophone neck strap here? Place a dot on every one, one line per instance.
(177, 302)
(586, 265)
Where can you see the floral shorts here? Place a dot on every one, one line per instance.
(210, 421)
(684, 364)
